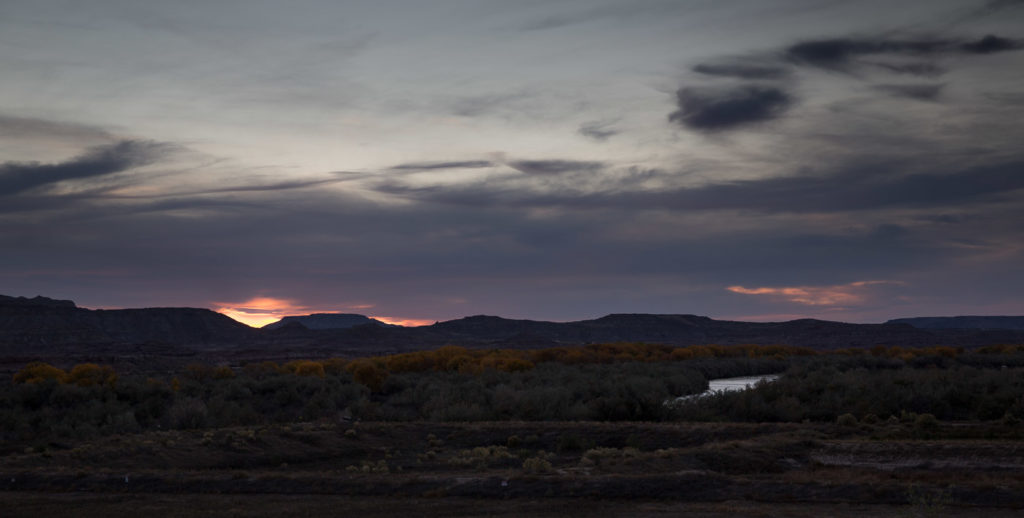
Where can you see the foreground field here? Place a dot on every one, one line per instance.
(523, 468)
(257, 506)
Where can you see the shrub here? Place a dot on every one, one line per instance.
(37, 372)
(187, 414)
(926, 422)
(846, 420)
(366, 373)
(89, 374)
(536, 465)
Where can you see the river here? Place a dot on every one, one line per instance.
(730, 384)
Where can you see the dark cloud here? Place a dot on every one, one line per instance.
(991, 44)
(723, 109)
(598, 130)
(16, 177)
(550, 167)
(922, 68)
(727, 107)
(427, 166)
(840, 53)
(920, 92)
(742, 71)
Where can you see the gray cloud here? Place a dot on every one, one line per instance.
(255, 187)
(921, 68)
(477, 105)
(840, 53)
(428, 166)
(991, 44)
(23, 127)
(723, 109)
(598, 130)
(16, 177)
(743, 71)
(550, 167)
(920, 91)
(872, 186)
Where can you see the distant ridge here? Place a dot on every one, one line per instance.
(963, 322)
(42, 326)
(326, 321)
(35, 301)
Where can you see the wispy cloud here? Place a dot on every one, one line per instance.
(854, 293)
(429, 166)
(16, 177)
(599, 130)
(918, 91)
(552, 167)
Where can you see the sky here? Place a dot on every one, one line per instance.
(415, 161)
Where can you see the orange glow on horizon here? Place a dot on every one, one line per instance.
(407, 322)
(260, 311)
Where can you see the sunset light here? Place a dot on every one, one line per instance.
(845, 294)
(260, 311)
(407, 322)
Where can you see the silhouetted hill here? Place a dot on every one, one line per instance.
(964, 322)
(41, 324)
(35, 301)
(326, 321)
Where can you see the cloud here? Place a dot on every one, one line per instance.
(743, 71)
(841, 53)
(16, 177)
(428, 166)
(23, 127)
(723, 109)
(552, 167)
(868, 186)
(255, 187)
(919, 68)
(478, 105)
(598, 130)
(991, 44)
(761, 91)
(838, 52)
(920, 92)
(854, 293)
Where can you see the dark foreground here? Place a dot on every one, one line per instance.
(534, 469)
(26, 504)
